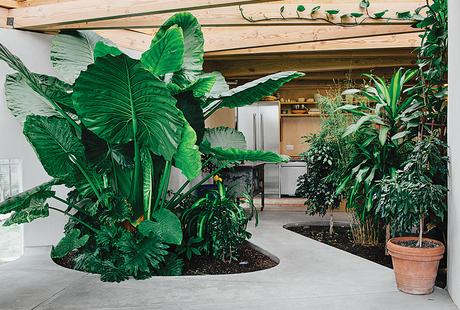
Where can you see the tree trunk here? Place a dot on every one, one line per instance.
(331, 222)
(420, 232)
(387, 237)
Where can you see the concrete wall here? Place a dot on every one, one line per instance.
(453, 278)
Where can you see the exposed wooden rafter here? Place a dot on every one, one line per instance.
(231, 16)
(9, 4)
(77, 11)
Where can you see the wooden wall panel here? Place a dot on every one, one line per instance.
(223, 117)
(292, 131)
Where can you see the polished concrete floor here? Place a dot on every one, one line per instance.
(310, 275)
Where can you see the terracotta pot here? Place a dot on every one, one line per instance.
(415, 268)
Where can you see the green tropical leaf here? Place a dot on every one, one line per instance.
(356, 14)
(37, 208)
(188, 156)
(193, 42)
(70, 242)
(225, 138)
(30, 93)
(233, 154)
(165, 55)
(72, 52)
(23, 200)
(56, 146)
(148, 179)
(383, 134)
(120, 101)
(166, 224)
(332, 12)
(300, 8)
(405, 14)
(253, 91)
(101, 49)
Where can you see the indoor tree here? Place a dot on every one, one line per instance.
(111, 128)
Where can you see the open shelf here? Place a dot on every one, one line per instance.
(311, 114)
(290, 103)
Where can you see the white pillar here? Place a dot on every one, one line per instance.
(453, 279)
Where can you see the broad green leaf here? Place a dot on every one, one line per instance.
(117, 99)
(23, 200)
(72, 52)
(225, 138)
(220, 86)
(166, 54)
(23, 100)
(253, 91)
(233, 154)
(356, 14)
(332, 12)
(166, 224)
(300, 8)
(193, 42)
(37, 208)
(70, 242)
(188, 156)
(405, 14)
(30, 93)
(193, 113)
(101, 49)
(56, 146)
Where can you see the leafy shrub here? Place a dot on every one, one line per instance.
(216, 223)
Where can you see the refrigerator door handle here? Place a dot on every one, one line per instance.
(262, 139)
(254, 130)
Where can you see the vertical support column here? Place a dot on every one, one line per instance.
(454, 153)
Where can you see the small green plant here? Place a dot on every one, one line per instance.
(219, 221)
(418, 192)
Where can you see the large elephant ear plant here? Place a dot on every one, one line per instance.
(111, 128)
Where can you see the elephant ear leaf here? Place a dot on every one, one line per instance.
(227, 144)
(59, 150)
(188, 156)
(225, 137)
(193, 43)
(30, 93)
(28, 205)
(193, 113)
(70, 242)
(166, 54)
(253, 91)
(166, 224)
(72, 52)
(120, 101)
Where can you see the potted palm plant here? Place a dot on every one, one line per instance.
(111, 128)
(410, 198)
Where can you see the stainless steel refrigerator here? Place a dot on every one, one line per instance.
(260, 124)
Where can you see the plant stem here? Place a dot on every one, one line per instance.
(420, 233)
(76, 218)
(165, 185)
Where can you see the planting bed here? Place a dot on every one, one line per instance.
(342, 239)
(249, 259)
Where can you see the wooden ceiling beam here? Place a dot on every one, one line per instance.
(252, 68)
(236, 38)
(383, 43)
(9, 4)
(231, 16)
(77, 11)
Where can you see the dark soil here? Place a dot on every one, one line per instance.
(413, 244)
(342, 239)
(249, 259)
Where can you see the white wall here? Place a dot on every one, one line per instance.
(453, 279)
(34, 51)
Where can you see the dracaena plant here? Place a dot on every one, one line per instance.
(111, 128)
(384, 135)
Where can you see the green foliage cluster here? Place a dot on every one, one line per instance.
(111, 128)
(418, 190)
(327, 156)
(215, 225)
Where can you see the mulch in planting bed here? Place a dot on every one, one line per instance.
(249, 259)
(342, 239)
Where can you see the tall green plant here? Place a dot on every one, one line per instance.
(112, 133)
(384, 133)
